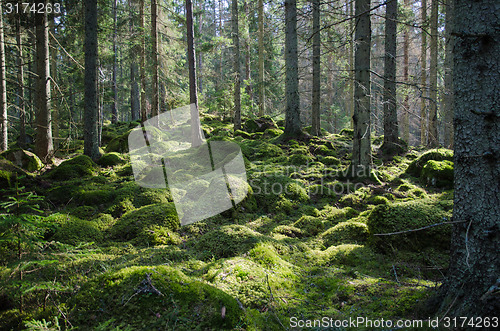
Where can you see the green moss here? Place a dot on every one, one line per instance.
(406, 216)
(134, 222)
(300, 159)
(289, 231)
(345, 233)
(158, 235)
(330, 161)
(271, 133)
(336, 215)
(438, 173)
(416, 166)
(72, 230)
(84, 212)
(166, 299)
(96, 197)
(104, 221)
(118, 144)
(269, 150)
(347, 132)
(110, 159)
(268, 188)
(6, 178)
(242, 134)
(378, 200)
(77, 167)
(23, 159)
(309, 225)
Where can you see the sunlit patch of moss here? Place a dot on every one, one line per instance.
(289, 231)
(438, 173)
(310, 225)
(77, 167)
(336, 215)
(72, 230)
(416, 166)
(158, 235)
(110, 159)
(345, 233)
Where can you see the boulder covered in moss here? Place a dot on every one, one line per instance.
(269, 188)
(345, 233)
(134, 222)
(23, 159)
(71, 230)
(118, 144)
(416, 166)
(309, 225)
(110, 159)
(337, 215)
(289, 231)
(411, 215)
(152, 298)
(77, 167)
(438, 173)
(9, 173)
(259, 124)
(243, 134)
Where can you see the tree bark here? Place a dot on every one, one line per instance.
(423, 78)
(316, 87)
(196, 138)
(3, 90)
(361, 153)
(448, 80)
(236, 65)
(433, 130)
(43, 144)
(351, 64)
(91, 114)
(134, 89)
(114, 106)
(142, 57)
(406, 104)
(154, 56)
(53, 77)
(391, 142)
(20, 79)
(262, 97)
(248, 87)
(472, 284)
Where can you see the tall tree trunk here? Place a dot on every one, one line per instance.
(331, 98)
(423, 78)
(31, 74)
(196, 138)
(351, 64)
(236, 65)
(391, 142)
(20, 79)
(154, 55)
(316, 79)
(114, 106)
(91, 116)
(433, 130)
(361, 150)
(406, 104)
(3, 89)
(142, 60)
(43, 144)
(134, 89)
(471, 286)
(262, 97)
(248, 87)
(199, 54)
(53, 76)
(448, 80)
(292, 111)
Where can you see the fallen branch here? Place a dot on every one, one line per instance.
(419, 229)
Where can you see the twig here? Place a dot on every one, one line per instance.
(395, 274)
(419, 229)
(467, 244)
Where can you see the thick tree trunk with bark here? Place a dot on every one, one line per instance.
(448, 80)
(55, 91)
(292, 111)
(262, 97)
(248, 87)
(406, 63)
(91, 114)
(142, 61)
(390, 147)
(134, 89)
(351, 64)
(114, 104)
(20, 79)
(472, 286)
(361, 152)
(3, 89)
(236, 65)
(154, 57)
(433, 130)
(43, 143)
(423, 78)
(316, 87)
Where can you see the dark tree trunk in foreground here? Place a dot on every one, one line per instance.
(433, 105)
(142, 61)
(134, 90)
(472, 284)
(423, 78)
(316, 88)
(448, 79)
(196, 139)
(391, 135)
(43, 144)
(292, 111)
(406, 67)
(361, 150)
(236, 65)
(3, 89)
(91, 115)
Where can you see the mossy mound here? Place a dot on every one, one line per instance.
(259, 124)
(438, 173)
(416, 166)
(270, 188)
(309, 225)
(243, 134)
(9, 173)
(110, 159)
(271, 133)
(227, 241)
(118, 144)
(337, 215)
(345, 233)
(135, 222)
(23, 159)
(96, 197)
(72, 230)
(411, 215)
(77, 167)
(151, 298)
(289, 231)
(330, 161)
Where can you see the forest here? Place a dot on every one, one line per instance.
(249, 165)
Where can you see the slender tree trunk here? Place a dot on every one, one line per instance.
(423, 78)
(433, 130)
(20, 79)
(406, 104)
(154, 55)
(91, 118)
(199, 54)
(196, 138)
(31, 73)
(134, 90)
(448, 80)
(53, 76)
(351, 64)
(361, 152)
(142, 57)
(3, 89)
(471, 286)
(236, 65)
(262, 97)
(292, 111)
(331, 99)
(114, 106)
(316, 88)
(248, 87)
(43, 144)
(390, 146)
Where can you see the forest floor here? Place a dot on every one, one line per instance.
(103, 253)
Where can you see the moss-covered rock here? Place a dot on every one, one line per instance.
(150, 298)
(289, 231)
(269, 188)
(134, 222)
(96, 197)
(330, 161)
(23, 159)
(158, 235)
(118, 144)
(259, 124)
(77, 167)
(336, 215)
(345, 233)
(416, 166)
(438, 173)
(227, 241)
(267, 150)
(110, 159)
(271, 133)
(309, 225)
(84, 212)
(298, 159)
(243, 134)
(410, 215)
(71, 230)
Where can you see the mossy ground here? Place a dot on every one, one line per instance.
(113, 257)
